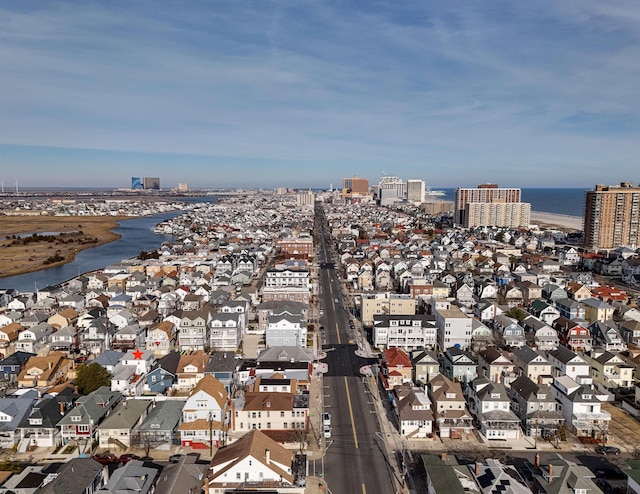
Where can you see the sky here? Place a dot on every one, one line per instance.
(303, 93)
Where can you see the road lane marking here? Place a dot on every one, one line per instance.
(338, 334)
(364, 489)
(353, 424)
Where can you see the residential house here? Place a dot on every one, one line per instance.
(226, 331)
(191, 368)
(65, 317)
(426, 365)
(571, 309)
(82, 420)
(285, 329)
(44, 371)
(271, 412)
(254, 460)
(131, 477)
(581, 407)
(64, 339)
(11, 366)
(491, 407)
(495, 364)
(449, 407)
(532, 364)
(397, 367)
(610, 370)
(454, 328)
(536, 408)
(161, 338)
(557, 475)
(34, 339)
(597, 310)
(40, 427)
(566, 362)
(222, 366)
(9, 336)
(405, 332)
(205, 416)
(13, 410)
(160, 426)
(413, 409)
(130, 337)
(545, 338)
(547, 313)
(573, 334)
(117, 430)
(606, 334)
(194, 327)
(82, 475)
(459, 365)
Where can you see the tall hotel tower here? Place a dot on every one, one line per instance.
(489, 205)
(612, 217)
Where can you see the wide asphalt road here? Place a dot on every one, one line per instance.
(355, 460)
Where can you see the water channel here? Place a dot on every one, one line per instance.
(136, 235)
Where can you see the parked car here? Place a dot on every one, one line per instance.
(608, 450)
(326, 431)
(127, 457)
(610, 473)
(326, 418)
(81, 359)
(175, 458)
(106, 458)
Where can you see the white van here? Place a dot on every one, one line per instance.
(326, 418)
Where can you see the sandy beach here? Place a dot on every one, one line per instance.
(558, 220)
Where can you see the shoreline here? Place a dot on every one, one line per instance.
(562, 221)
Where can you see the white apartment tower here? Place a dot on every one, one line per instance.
(415, 191)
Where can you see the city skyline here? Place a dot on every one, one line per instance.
(300, 94)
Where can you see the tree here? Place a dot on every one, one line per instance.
(91, 377)
(516, 313)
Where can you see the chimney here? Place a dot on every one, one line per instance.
(537, 460)
(550, 472)
(61, 403)
(477, 468)
(443, 456)
(267, 456)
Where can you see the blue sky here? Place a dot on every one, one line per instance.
(306, 92)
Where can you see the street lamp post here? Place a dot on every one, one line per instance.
(211, 434)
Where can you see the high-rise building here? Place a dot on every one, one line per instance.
(152, 183)
(612, 217)
(305, 198)
(415, 191)
(355, 186)
(183, 187)
(136, 183)
(501, 216)
(391, 190)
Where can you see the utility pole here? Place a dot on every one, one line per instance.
(211, 434)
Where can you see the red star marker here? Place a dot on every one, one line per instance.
(137, 355)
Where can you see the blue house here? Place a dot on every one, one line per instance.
(11, 366)
(164, 375)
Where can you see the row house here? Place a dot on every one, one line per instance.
(532, 364)
(405, 332)
(226, 330)
(449, 408)
(194, 329)
(606, 334)
(545, 338)
(45, 371)
(610, 370)
(34, 339)
(206, 415)
(495, 364)
(426, 365)
(459, 365)
(581, 407)
(491, 407)
(573, 335)
(161, 338)
(270, 412)
(413, 410)
(286, 330)
(535, 406)
(82, 420)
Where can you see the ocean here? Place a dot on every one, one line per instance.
(569, 201)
